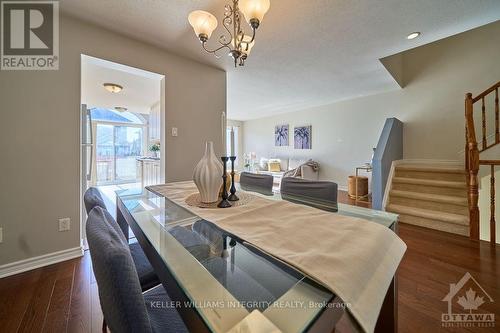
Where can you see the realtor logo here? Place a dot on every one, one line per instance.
(30, 35)
(469, 295)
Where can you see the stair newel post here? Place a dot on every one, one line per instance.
(492, 207)
(472, 169)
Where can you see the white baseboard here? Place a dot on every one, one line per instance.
(40, 261)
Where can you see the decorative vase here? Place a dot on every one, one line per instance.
(208, 175)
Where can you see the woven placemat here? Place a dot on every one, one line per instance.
(195, 201)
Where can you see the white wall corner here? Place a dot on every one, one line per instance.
(388, 185)
(40, 261)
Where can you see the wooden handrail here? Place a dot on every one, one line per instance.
(489, 162)
(472, 161)
(486, 92)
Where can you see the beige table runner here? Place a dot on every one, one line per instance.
(354, 258)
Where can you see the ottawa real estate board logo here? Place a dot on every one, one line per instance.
(30, 35)
(464, 305)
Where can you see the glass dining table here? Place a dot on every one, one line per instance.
(220, 283)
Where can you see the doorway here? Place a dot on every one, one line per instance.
(122, 126)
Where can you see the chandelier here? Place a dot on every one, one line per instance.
(238, 44)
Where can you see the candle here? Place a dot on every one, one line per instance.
(233, 151)
(224, 129)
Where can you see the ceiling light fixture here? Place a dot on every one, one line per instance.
(121, 108)
(413, 35)
(113, 87)
(238, 43)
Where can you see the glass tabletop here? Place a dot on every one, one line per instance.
(228, 281)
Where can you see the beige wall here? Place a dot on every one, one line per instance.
(40, 133)
(436, 77)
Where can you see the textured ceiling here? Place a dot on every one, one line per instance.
(141, 89)
(307, 53)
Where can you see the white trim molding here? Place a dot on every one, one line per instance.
(40, 261)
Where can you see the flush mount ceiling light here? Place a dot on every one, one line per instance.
(113, 87)
(413, 35)
(238, 44)
(121, 108)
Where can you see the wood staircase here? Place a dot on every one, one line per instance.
(472, 156)
(446, 198)
(431, 196)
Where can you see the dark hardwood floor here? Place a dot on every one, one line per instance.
(63, 297)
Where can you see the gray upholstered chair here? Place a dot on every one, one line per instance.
(145, 271)
(320, 194)
(257, 183)
(125, 307)
(93, 198)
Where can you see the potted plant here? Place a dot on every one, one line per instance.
(155, 149)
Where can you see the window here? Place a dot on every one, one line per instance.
(119, 141)
(114, 116)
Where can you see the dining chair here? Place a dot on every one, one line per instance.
(320, 194)
(93, 198)
(124, 306)
(256, 183)
(145, 271)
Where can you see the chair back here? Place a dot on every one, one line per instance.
(319, 194)
(92, 198)
(120, 293)
(256, 183)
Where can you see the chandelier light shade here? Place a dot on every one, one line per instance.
(203, 23)
(254, 9)
(234, 40)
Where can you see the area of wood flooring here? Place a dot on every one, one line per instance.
(63, 297)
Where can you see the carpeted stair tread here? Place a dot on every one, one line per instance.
(447, 199)
(429, 214)
(430, 182)
(424, 168)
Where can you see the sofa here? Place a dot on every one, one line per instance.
(276, 167)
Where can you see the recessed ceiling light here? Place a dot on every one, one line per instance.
(113, 87)
(120, 108)
(413, 35)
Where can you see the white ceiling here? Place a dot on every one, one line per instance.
(141, 89)
(307, 53)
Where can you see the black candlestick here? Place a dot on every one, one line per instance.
(224, 203)
(233, 196)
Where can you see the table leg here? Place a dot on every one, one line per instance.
(388, 318)
(120, 219)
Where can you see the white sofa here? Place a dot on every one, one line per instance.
(288, 164)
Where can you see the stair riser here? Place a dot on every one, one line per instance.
(431, 205)
(457, 192)
(436, 225)
(457, 177)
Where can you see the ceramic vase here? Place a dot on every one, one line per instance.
(208, 175)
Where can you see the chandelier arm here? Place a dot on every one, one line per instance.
(225, 24)
(214, 51)
(253, 35)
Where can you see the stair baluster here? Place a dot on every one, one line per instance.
(483, 116)
(497, 120)
(472, 161)
(492, 206)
